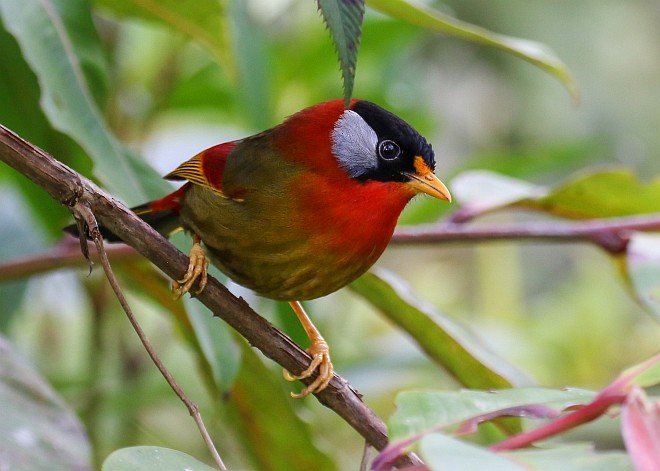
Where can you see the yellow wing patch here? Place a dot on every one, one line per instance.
(193, 171)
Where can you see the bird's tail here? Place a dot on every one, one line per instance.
(162, 215)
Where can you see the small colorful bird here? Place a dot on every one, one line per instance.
(300, 210)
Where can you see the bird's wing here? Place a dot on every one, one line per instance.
(206, 168)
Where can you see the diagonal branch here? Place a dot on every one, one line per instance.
(70, 188)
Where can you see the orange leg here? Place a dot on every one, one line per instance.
(197, 268)
(320, 353)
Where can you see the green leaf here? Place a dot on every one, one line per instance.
(204, 21)
(216, 342)
(608, 193)
(422, 412)
(38, 430)
(531, 51)
(253, 66)
(59, 43)
(344, 20)
(587, 195)
(645, 374)
(152, 458)
(571, 457)
(279, 438)
(18, 238)
(443, 340)
(441, 452)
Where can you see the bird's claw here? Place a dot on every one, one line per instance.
(320, 353)
(197, 269)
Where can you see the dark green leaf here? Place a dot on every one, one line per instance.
(344, 20)
(443, 340)
(279, 438)
(38, 430)
(60, 44)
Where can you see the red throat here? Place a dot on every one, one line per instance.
(350, 217)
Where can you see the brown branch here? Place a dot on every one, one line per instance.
(65, 254)
(70, 188)
(611, 234)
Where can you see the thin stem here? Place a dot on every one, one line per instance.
(85, 212)
(611, 234)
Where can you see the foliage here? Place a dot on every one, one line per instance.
(118, 88)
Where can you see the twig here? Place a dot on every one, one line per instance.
(70, 188)
(65, 254)
(611, 234)
(82, 211)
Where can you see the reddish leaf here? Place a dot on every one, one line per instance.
(640, 423)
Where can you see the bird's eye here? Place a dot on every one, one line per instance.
(389, 150)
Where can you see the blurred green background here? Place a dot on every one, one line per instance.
(560, 313)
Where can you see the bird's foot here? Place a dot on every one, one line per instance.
(320, 353)
(197, 269)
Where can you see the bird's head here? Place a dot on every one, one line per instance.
(372, 144)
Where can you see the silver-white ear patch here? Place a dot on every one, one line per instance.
(354, 144)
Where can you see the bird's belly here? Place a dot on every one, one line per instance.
(299, 273)
(264, 251)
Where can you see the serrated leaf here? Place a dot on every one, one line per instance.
(152, 458)
(58, 41)
(204, 21)
(534, 52)
(443, 340)
(38, 430)
(344, 20)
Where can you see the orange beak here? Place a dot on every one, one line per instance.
(424, 181)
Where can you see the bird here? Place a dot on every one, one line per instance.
(300, 210)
